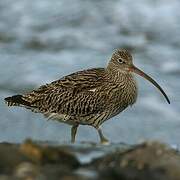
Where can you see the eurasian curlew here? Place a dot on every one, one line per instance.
(88, 97)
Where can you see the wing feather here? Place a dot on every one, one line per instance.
(70, 95)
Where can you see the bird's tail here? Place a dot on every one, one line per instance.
(16, 100)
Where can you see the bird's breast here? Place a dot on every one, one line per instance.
(123, 93)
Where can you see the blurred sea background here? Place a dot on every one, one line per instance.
(41, 41)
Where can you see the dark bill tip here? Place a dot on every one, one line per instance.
(147, 77)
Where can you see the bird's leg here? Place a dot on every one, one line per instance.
(73, 132)
(103, 140)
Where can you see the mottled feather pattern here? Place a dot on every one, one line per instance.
(71, 99)
(88, 97)
(62, 95)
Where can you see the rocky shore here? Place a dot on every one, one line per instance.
(47, 161)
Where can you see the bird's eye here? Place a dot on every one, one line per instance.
(120, 61)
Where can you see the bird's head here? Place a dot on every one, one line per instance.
(121, 60)
(122, 63)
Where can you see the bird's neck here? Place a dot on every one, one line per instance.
(126, 83)
(117, 75)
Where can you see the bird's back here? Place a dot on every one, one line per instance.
(54, 97)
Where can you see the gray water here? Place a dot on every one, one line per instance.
(40, 41)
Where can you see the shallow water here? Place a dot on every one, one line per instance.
(41, 41)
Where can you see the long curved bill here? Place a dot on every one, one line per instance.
(144, 75)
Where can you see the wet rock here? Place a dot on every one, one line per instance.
(45, 154)
(27, 170)
(148, 161)
(10, 157)
(32, 160)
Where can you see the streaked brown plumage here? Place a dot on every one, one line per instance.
(87, 97)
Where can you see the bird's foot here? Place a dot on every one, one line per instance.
(105, 141)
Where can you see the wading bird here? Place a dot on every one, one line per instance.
(88, 97)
